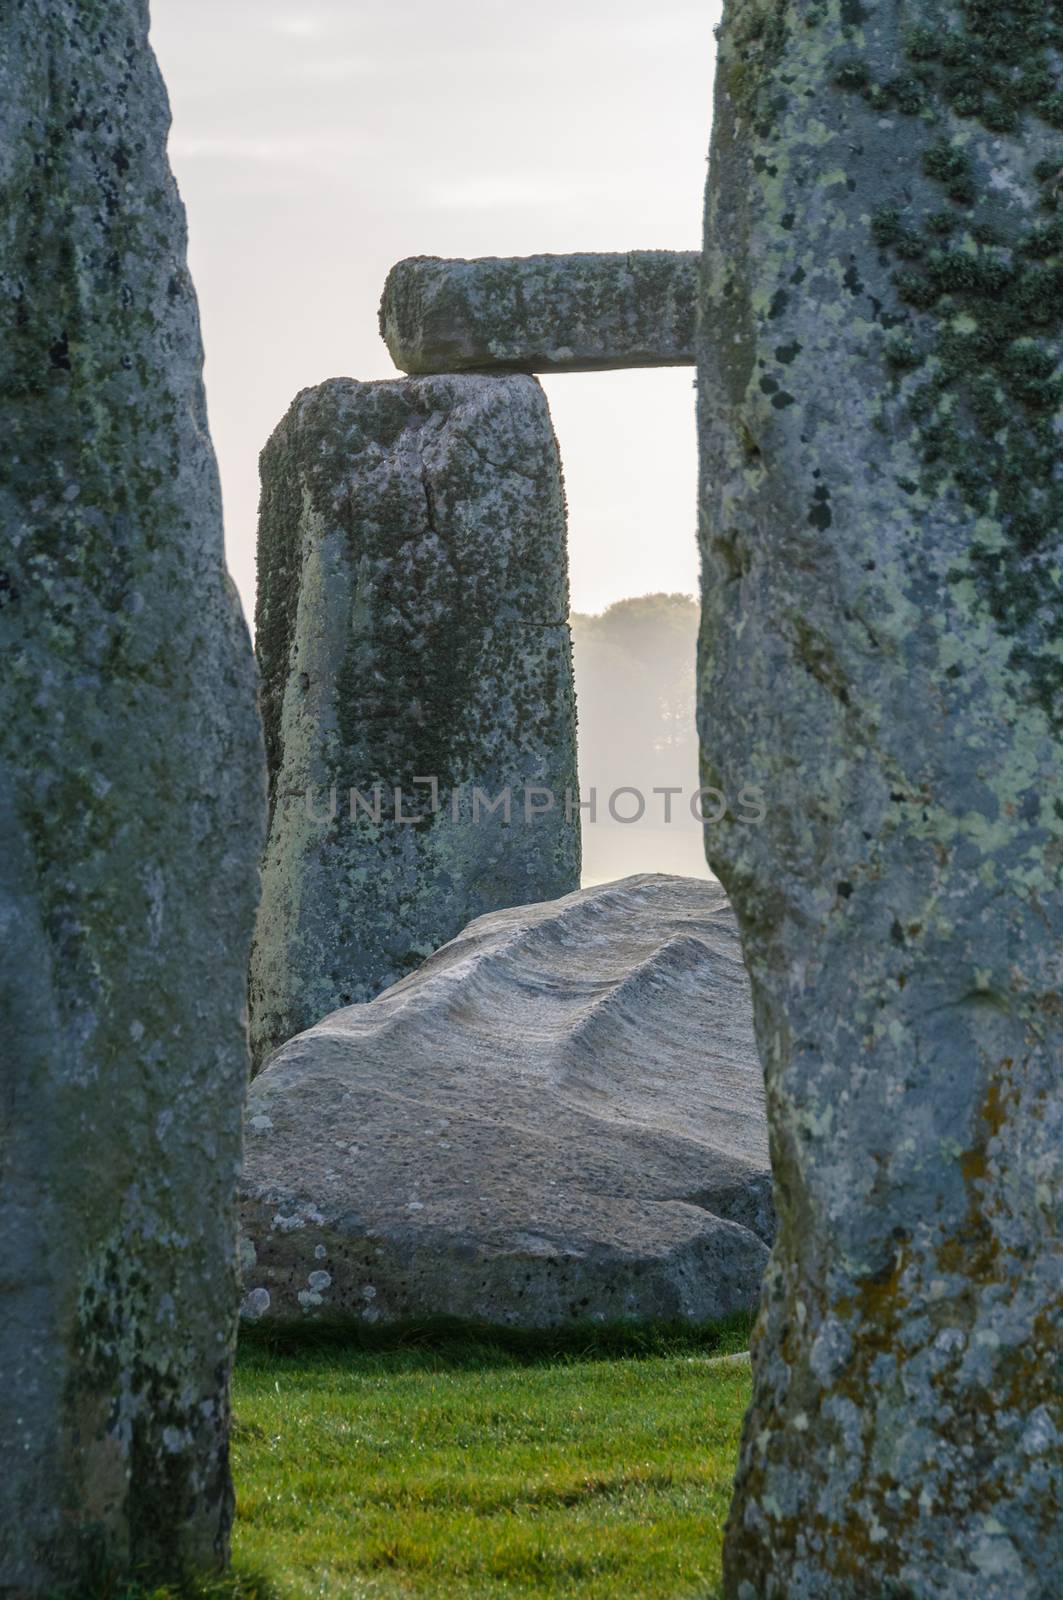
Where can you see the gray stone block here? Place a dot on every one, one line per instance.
(132, 808)
(578, 313)
(558, 1117)
(413, 597)
(881, 657)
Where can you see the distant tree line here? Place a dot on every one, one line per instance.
(635, 681)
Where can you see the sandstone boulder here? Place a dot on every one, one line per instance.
(578, 313)
(558, 1116)
(417, 671)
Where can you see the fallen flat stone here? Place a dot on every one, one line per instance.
(416, 664)
(578, 313)
(132, 808)
(559, 1116)
(883, 612)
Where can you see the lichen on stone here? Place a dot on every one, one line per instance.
(576, 313)
(412, 631)
(986, 278)
(880, 649)
(131, 813)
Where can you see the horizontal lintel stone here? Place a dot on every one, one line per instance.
(575, 313)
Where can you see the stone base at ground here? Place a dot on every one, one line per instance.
(579, 313)
(558, 1117)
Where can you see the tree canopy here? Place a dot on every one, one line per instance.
(635, 682)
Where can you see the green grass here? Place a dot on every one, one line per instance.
(474, 1464)
(239, 1584)
(463, 1343)
(453, 1460)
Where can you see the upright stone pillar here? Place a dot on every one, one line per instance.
(417, 681)
(882, 657)
(131, 802)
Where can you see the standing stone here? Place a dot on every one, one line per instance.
(581, 313)
(882, 304)
(131, 800)
(412, 605)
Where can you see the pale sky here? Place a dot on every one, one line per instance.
(316, 144)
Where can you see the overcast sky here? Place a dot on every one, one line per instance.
(316, 144)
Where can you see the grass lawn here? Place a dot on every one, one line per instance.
(465, 1469)
(474, 1464)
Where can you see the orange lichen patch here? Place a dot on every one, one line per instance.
(993, 1111)
(877, 1306)
(973, 1248)
(851, 1545)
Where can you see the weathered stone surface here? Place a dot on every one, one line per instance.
(413, 595)
(882, 658)
(559, 1116)
(579, 313)
(131, 813)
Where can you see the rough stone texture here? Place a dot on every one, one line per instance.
(580, 313)
(131, 815)
(413, 596)
(881, 656)
(559, 1116)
